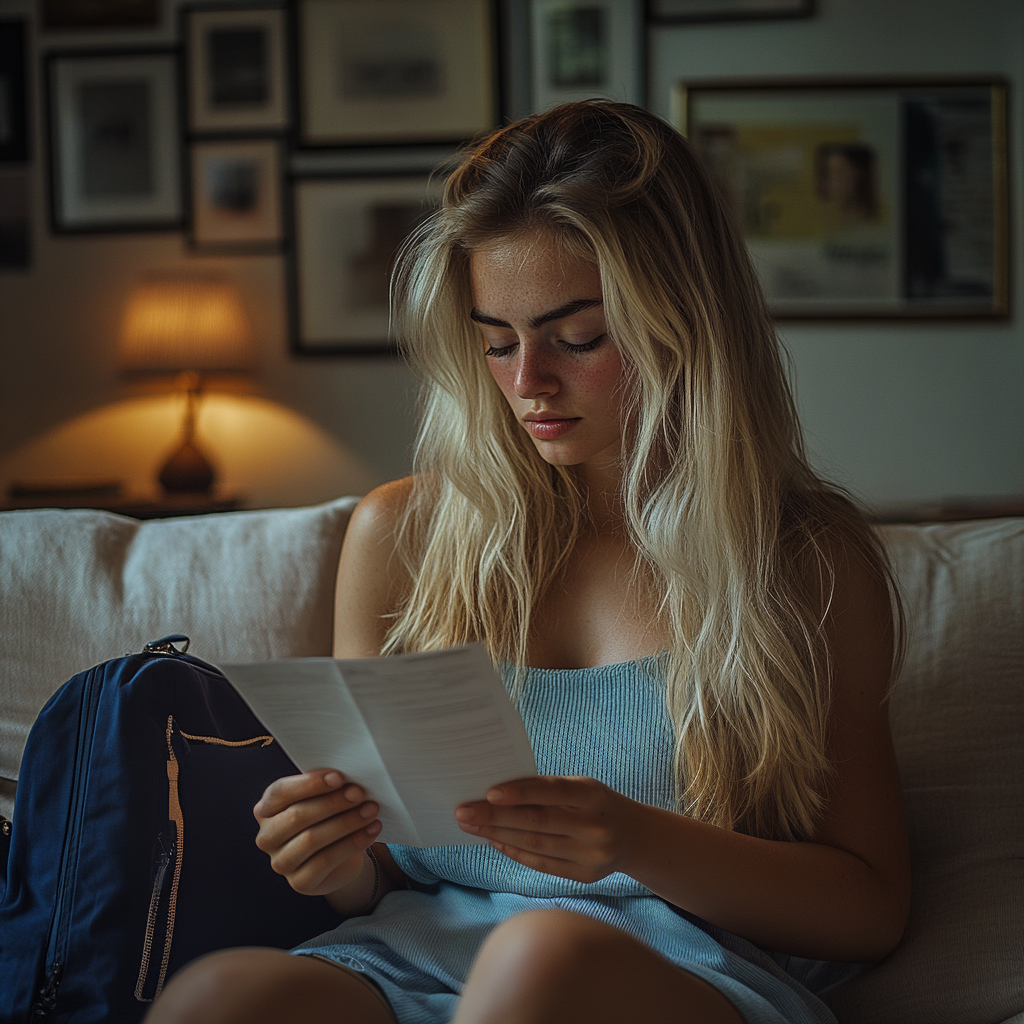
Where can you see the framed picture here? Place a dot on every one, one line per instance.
(395, 71)
(347, 231)
(15, 219)
(236, 195)
(98, 14)
(586, 48)
(114, 149)
(236, 69)
(863, 198)
(689, 11)
(13, 93)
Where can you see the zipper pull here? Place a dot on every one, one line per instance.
(165, 645)
(47, 999)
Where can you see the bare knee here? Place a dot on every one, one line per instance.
(555, 944)
(554, 966)
(204, 991)
(238, 986)
(538, 961)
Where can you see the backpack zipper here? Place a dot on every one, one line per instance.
(56, 948)
(177, 851)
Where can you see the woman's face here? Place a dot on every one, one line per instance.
(546, 344)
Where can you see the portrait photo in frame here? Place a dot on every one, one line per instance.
(395, 71)
(115, 160)
(863, 197)
(236, 69)
(347, 232)
(236, 195)
(586, 48)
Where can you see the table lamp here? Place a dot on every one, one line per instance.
(186, 325)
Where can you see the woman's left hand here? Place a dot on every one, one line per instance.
(573, 827)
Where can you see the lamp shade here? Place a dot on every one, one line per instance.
(186, 323)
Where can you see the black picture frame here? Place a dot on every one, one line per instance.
(344, 230)
(695, 12)
(15, 217)
(236, 75)
(61, 15)
(14, 132)
(115, 157)
(866, 197)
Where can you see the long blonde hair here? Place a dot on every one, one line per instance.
(725, 513)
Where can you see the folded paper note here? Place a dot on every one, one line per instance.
(421, 733)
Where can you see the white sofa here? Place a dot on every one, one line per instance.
(79, 587)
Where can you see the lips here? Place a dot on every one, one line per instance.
(549, 428)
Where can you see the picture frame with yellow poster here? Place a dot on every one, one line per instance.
(864, 198)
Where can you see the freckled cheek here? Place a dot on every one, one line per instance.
(598, 382)
(504, 376)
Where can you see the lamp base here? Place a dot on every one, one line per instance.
(187, 471)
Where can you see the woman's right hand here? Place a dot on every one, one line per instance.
(316, 828)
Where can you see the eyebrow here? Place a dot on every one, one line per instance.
(576, 306)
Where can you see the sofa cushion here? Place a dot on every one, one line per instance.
(958, 726)
(80, 587)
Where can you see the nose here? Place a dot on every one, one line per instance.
(535, 372)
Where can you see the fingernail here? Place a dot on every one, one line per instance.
(465, 813)
(353, 793)
(333, 779)
(474, 829)
(495, 794)
(374, 827)
(369, 809)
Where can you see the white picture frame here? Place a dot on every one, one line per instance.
(115, 161)
(347, 231)
(237, 78)
(395, 71)
(236, 195)
(584, 49)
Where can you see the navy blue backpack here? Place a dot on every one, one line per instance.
(131, 849)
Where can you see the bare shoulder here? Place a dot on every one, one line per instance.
(371, 578)
(377, 516)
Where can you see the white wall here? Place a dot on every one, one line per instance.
(899, 412)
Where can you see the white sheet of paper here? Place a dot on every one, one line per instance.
(421, 733)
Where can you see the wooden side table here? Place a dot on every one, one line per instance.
(157, 506)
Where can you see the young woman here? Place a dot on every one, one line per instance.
(611, 493)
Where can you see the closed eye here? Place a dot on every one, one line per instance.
(500, 351)
(587, 346)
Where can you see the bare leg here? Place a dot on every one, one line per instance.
(239, 986)
(554, 967)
